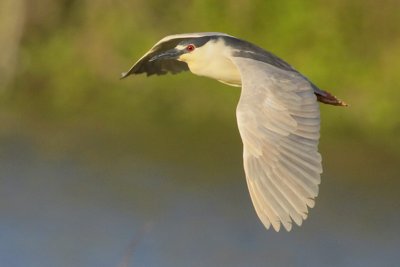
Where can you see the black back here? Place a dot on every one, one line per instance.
(249, 50)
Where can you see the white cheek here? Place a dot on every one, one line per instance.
(185, 57)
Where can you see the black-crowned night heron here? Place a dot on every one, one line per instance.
(278, 116)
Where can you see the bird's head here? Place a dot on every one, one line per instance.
(188, 50)
(204, 54)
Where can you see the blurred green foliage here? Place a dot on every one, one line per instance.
(67, 91)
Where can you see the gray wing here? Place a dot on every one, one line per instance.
(279, 121)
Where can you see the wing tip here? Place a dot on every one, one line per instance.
(124, 75)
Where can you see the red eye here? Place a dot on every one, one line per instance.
(190, 48)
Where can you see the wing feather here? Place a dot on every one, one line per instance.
(279, 122)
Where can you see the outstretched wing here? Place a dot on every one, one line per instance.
(279, 121)
(159, 67)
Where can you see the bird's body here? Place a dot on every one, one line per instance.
(278, 117)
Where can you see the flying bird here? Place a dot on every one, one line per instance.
(278, 116)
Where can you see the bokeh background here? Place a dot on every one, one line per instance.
(95, 171)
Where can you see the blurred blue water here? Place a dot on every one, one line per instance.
(56, 211)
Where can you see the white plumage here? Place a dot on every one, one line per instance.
(280, 139)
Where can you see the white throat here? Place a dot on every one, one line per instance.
(213, 60)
